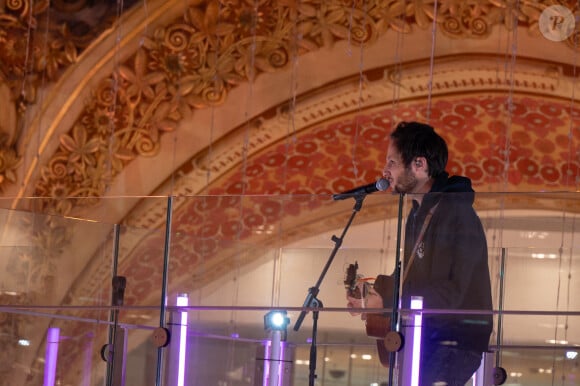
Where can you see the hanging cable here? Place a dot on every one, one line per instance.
(397, 70)
(115, 80)
(432, 61)
(566, 183)
(360, 87)
(290, 140)
(250, 70)
(291, 131)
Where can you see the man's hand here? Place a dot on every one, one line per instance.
(372, 300)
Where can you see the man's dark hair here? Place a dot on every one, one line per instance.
(414, 139)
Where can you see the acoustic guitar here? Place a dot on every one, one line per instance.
(377, 325)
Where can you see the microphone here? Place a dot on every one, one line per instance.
(382, 184)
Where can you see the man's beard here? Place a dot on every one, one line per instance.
(406, 182)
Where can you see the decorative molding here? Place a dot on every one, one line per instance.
(193, 62)
(356, 96)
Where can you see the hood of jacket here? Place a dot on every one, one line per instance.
(455, 184)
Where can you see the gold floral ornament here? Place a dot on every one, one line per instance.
(9, 162)
(81, 151)
(391, 15)
(37, 45)
(195, 61)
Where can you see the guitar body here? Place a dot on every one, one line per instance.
(377, 325)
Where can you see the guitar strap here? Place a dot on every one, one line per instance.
(419, 239)
(380, 322)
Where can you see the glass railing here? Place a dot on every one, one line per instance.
(177, 292)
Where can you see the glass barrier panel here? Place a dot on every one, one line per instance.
(238, 347)
(44, 257)
(247, 252)
(229, 261)
(538, 366)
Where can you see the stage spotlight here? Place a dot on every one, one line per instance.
(276, 321)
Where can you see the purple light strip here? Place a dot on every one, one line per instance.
(182, 301)
(269, 352)
(88, 360)
(267, 345)
(51, 356)
(416, 304)
(280, 369)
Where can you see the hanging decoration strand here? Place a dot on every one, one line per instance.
(205, 199)
(27, 52)
(397, 70)
(432, 60)
(249, 100)
(496, 225)
(146, 28)
(245, 148)
(571, 126)
(116, 70)
(349, 33)
(512, 38)
(291, 131)
(513, 12)
(360, 92)
(178, 101)
(45, 48)
(567, 182)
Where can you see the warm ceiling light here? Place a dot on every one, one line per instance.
(544, 255)
(534, 235)
(553, 341)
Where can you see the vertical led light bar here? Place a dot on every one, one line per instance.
(276, 322)
(87, 359)
(182, 301)
(274, 360)
(266, 374)
(281, 363)
(51, 355)
(416, 304)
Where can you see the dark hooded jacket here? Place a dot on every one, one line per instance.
(450, 270)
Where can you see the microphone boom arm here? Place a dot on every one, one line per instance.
(313, 291)
(312, 300)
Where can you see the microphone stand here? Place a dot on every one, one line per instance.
(311, 299)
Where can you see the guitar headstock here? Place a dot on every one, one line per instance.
(351, 281)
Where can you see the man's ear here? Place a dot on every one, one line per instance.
(420, 164)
